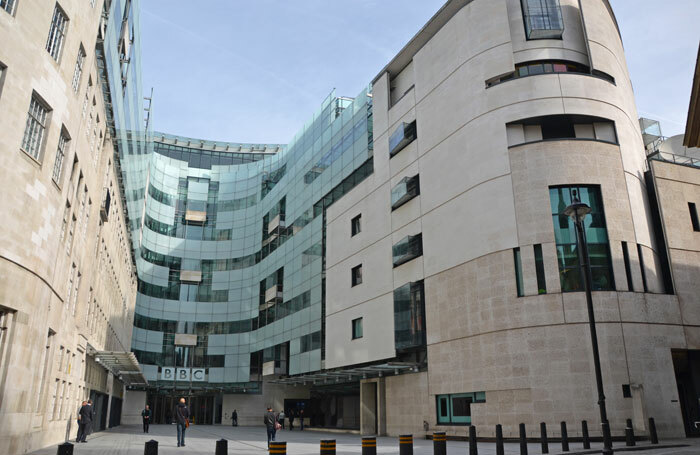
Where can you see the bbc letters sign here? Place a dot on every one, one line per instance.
(183, 374)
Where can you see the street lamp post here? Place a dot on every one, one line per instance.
(577, 211)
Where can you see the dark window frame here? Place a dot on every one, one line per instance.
(405, 134)
(694, 216)
(356, 275)
(357, 334)
(356, 225)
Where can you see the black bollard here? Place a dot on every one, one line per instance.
(586, 437)
(473, 449)
(564, 438)
(543, 437)
(65, 449)
(499, 440)
(369, 446)
(406, 444)
(629, 434)
(279, 447)
(439, 443)
(221, 447)
(151, 447)
(523, 440)
(652, 431)
(328, 447)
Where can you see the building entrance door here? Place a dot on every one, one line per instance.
(687, 367)
(203, 408)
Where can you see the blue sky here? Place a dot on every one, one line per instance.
(255, 70)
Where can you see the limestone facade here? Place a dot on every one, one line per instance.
(67, 284)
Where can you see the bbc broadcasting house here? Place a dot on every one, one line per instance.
(402, 265)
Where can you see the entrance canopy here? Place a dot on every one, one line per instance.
(122, 365)
(350, 374)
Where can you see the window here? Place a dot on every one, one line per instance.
(539, 269)
(640, 253)
(518, 272)
(6, 323)
(628, 268)
(57, 33)
(45, 372)
(409, 316)
(455, 409)
(69, 292)
(355, 226)
(78, 69)
(533, 68)
(8, 5)
(543, 19)
(34, 130)
(404, 191)
(408, 248)
(357, 275)
(54, 400)
(563, 126)
(64, 223)
(404, 135)
(694, 216)
(356, 328)
(570, 272)
(74, 304)
(63, 140)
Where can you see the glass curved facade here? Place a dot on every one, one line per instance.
(229, 245)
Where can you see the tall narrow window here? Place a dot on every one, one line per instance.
(34, 130)
(69, 293)
(356, 328)
(6, 323)
(539, 268)
(64, 223)
(355, 225)
(518, 272)
(409, 316)
(74, 303)
(57, 33)
(694, 216)
(628, 268)
(71, 231)
(78, 72)
(60, 154)
(8, 5)
(570, 272)
(357, 275)
(44, 372)
(640, 253)
(54, 400)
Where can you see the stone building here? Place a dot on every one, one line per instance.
(67, 276)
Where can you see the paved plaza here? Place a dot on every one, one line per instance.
(129, 440)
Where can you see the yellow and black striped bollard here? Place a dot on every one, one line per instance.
(278, 448)
(328, 447)
(369, 446)
(439, 443)
(406, 444)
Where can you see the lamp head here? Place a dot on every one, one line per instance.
(577, 211)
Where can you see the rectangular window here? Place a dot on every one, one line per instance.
(35, 128)
(407, 249)
(63, 140)
(64, 224)
(57, 33)
(570, 272)
(356, 328)
(6, 323)
(357, 275)
(45, 372)
(455, 409)
(69, 292)
(8, 5)
(694, 216)
(543, 19)
(78, 72)
(409, 316)
(640, 253)
(518, 272)
(54, 400)
(539, 269)
(74, 304)
(404, 135)
(71, 231)
(404, 191)
(628, 268)
(355, 226)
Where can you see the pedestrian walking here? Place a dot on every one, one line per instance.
(146, 416)
(182, 416)
(301, 420)
(271, 425)
(280, 418)
(291, 419)
(85, 416)
(234, 418)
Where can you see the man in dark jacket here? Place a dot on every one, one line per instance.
(146, 416)
(85, 417)
(234, 418)
(182, 416)
(81, 425)
(270, 420)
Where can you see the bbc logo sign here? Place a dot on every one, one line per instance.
(183, 374)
